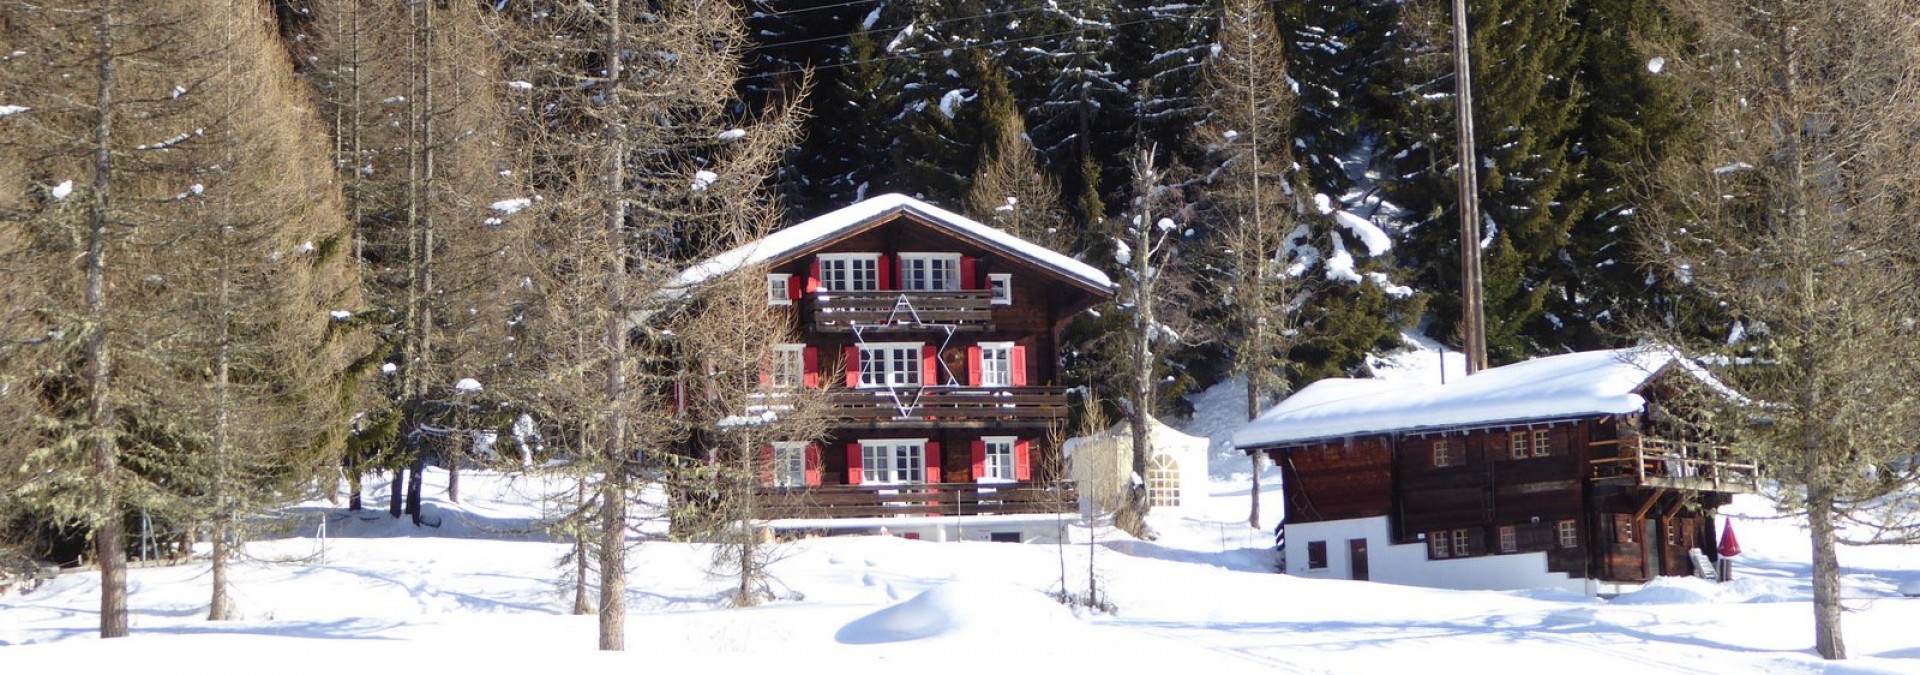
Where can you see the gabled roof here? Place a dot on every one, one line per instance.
(822, 231)
(1581, 384)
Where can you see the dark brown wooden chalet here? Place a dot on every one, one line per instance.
(937, 338)
(1575, 458)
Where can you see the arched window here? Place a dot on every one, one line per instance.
(1163, 481)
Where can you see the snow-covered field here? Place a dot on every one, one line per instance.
(480, 595)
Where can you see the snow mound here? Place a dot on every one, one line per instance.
(954, 608)
(1911, 587)
(1671, 591)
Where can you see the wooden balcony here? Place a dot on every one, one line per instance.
(1682, 465)
(902, 311)
(927, 499)
(952, 407)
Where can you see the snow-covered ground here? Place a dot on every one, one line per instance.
(480, 594)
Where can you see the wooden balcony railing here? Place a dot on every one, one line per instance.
(944, 404)
(927, 499)
(902, 310)
(1657, 462)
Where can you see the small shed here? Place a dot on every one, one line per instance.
(1176, 472)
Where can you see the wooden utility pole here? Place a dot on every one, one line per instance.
(1473, 320)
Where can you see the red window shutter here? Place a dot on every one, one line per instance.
(886, 272)
(794, 288)
(853, 463)
(813, 277)
(1019, 366)
(973, 366)
(1023, 460)
(813, 464)
(766, 465)
(933, 462)
(929, 365)
(810, 361)
(968, 264)
(853, 366)
(979, 459)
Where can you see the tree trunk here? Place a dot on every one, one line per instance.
(1826, 570)
(413, 485)
(1253, 410)
(109, 551)
(395, 491)
(613, 493)
(218, 608)
(581, 606)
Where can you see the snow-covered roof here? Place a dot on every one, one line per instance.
(1554, 387)
(824, 229)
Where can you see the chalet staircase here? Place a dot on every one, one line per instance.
(1702, 567)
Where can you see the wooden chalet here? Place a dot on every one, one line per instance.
(1572, 471)
(936, 338)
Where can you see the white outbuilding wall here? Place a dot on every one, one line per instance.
(1408, 564)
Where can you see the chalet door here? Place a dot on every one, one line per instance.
(1650, 546)
(1357, 555)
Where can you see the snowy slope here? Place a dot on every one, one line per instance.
(479, 595)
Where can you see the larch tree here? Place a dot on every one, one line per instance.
(1795, 215)
(1257, 201)
(641, 165)
(1010, 190)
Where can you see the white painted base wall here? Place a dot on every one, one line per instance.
(1407, 564)
(1031, 528)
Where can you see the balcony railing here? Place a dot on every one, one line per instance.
(926, 499)
(902, 310)
(922, 405)
(1657, 462)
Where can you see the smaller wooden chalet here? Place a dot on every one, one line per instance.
(1570, 471)
(937, 340)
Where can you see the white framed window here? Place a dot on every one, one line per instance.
(1002, 285)
(1509, 539)
(1437, 546)
(1163, 481)
(1541, 448)
(789, 464)
(890, 364)
(1569, 535)
(789, 366)
(893, 461)
(930, 271)
(850, 271)
(779, 289)
(1444, 454)
(1460, 549)
(1518, 445)
(1000, 458)
(996, 364)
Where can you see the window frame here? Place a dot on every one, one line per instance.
(779, 289)
(1002, 470)
(1163, 481)
(949, 281)
(847, 272)
(790, 360)
(1000, 288)
(1462, 545)
(1443, 454)
(879, 373)
(789, 464)
(1542, 443)
(1566, 534)
(1316, 555)
(988, 374)
(901, 461)
(1519, 444)
(1509, 539)
(1437, 546)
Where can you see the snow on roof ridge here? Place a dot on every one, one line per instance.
(805, 233)
(1559, 386)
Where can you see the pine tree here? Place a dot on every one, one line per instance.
(1523, 55)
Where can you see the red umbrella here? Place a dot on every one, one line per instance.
(1729, 544)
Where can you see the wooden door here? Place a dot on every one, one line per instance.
(1357, 557)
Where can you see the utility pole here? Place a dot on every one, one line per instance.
(1473, 323)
